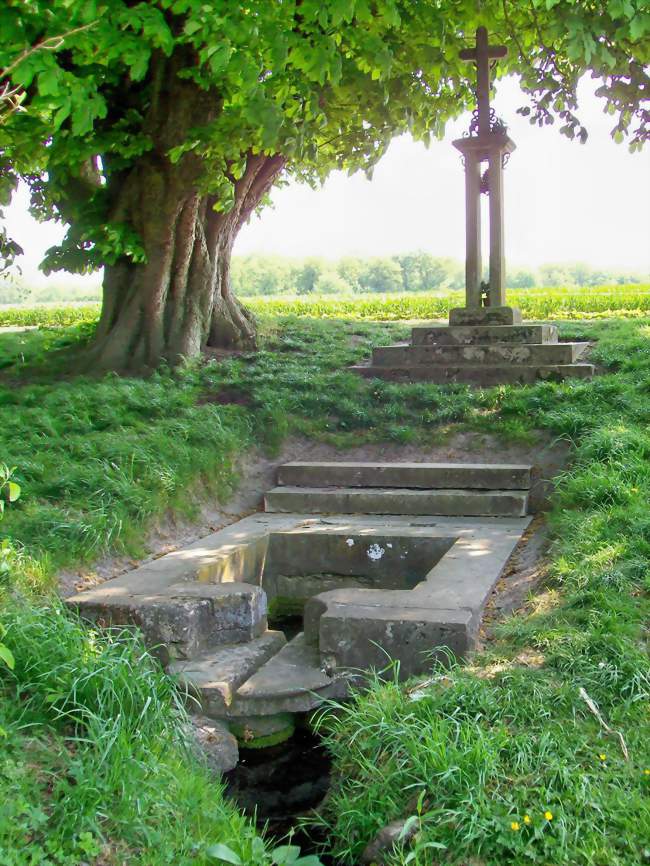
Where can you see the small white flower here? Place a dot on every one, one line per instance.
(349, 542)
(375, 552)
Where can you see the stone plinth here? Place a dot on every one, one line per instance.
(481, 346)
(485, 316)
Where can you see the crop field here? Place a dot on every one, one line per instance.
(557, 303)
(598, 302)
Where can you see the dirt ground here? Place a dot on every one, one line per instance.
(258, 472)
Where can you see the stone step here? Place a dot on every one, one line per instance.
(477, 476)
(214, 676)
(360, 500)
(292, 681)
(497, 353)
(472, 335)
(480, 375)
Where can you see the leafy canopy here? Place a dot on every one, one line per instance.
(326, 84)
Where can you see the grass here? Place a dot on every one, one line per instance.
(560, 303)
(479, 749)
(94, 763)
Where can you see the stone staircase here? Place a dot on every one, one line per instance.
(461, 489)
(376, 573)
(502, 350)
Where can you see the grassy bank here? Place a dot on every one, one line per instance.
(560, 303)
(479, 748)
(94, 763)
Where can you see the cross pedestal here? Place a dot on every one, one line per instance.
(489, 143)
(480, 305)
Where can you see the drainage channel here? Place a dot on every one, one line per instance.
(279, 785)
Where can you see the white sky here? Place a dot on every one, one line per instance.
(564, 202)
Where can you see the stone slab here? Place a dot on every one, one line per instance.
(431, 335)
(498, 353)
(485, 316)
(214, 676)
(359, 500)
(481, 476)
(478, 375)
(292, 681)
(365, 638)
(181, 620)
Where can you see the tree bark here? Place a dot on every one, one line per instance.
(172, 306)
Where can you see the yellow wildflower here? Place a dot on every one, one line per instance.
(526, 819)
(548, 815)
(646, 772)
(514, 825)
(602, 756)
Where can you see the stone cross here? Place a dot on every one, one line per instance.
(487, 142)
(481, 55)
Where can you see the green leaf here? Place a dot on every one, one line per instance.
(13, 491)
(225, 854)
(7, 656)
(285, 855)
(48, 81)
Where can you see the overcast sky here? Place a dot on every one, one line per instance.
(564, 202)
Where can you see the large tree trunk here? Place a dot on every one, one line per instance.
(170, 307)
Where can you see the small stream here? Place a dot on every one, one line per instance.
(280, 784)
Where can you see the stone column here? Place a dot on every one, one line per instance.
(497, 253)
(473, 265)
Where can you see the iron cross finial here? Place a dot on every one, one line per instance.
(481, 55)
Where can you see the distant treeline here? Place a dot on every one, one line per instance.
(260, 275)
(256, 275)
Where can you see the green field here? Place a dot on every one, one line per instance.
(587, 303)
(483, 753)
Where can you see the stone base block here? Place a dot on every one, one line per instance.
(480, 335)
(485, 316)
(367, 637)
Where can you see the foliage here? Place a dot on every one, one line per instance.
(95, 759)
(411, 272)
(324, 85)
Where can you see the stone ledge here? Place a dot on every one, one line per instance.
(480, 375)
(480, 476)
(496, 353)
(377, 500)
